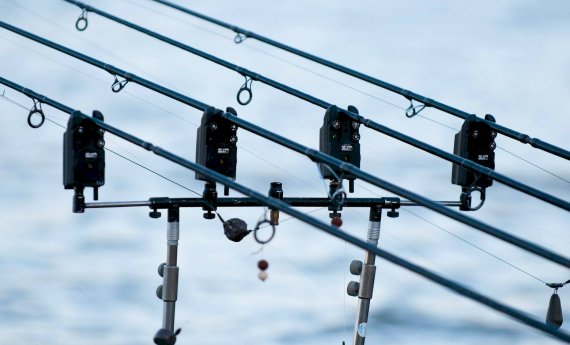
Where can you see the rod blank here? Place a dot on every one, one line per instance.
(523, 138)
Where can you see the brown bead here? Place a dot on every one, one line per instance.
(336, 221)
(262, 265)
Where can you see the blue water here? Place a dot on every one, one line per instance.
(90, 278)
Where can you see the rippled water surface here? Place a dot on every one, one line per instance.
(90, 278)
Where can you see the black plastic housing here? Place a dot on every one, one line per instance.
(83, 153)
(216, 141)
(475, 142)
(340, 138)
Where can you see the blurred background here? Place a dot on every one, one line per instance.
(90, 278)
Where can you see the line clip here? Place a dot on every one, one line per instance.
(466, 196)
(82, 23)
(258, 226)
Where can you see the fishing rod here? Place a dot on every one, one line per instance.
(312, 154)
(282, 206)
(461, 161)
(242, 34)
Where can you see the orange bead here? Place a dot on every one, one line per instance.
(336, 221)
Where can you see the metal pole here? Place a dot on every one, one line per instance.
(165, 203)
(170, 278)
(168, 291)
(367, 273)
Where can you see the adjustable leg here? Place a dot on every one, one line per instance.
(168, 291)
(367, 272)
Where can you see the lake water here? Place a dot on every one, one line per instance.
(90, 278)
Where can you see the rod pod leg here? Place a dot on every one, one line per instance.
(367, 272)
(168, 291)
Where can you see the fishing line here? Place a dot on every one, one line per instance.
(516, 156)
(475, 246)
(449, 233)
(147, 102)
(197, 26)
(163, 176)
(264, 52)
(137, 97)
(336, 81)
(461, 238)
(344, 319)
(95, 297)
(65, 29)
(166, 111)
(410, 95)
(3, 96)
(98, 79)
(142, 100)
(534, 165)
(289, 62)
(311, 153)
(55, 268)
(306, 69)
(345, 84)
(248, 89)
